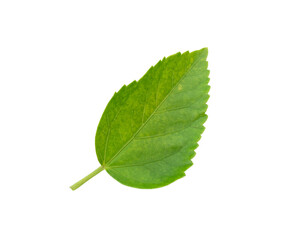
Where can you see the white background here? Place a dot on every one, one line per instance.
(60, 63)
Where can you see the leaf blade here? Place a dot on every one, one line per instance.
(149, 153)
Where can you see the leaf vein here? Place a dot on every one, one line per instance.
(141, 127)
(145, 163)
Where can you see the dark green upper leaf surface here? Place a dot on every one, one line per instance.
(150, 128)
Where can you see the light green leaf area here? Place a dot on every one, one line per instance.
(149, 130)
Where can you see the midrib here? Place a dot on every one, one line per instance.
(149, 118)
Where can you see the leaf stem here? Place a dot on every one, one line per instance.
(85, 179)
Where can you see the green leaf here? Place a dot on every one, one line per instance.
(149, 130)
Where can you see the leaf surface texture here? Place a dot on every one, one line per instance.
(149, 130)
